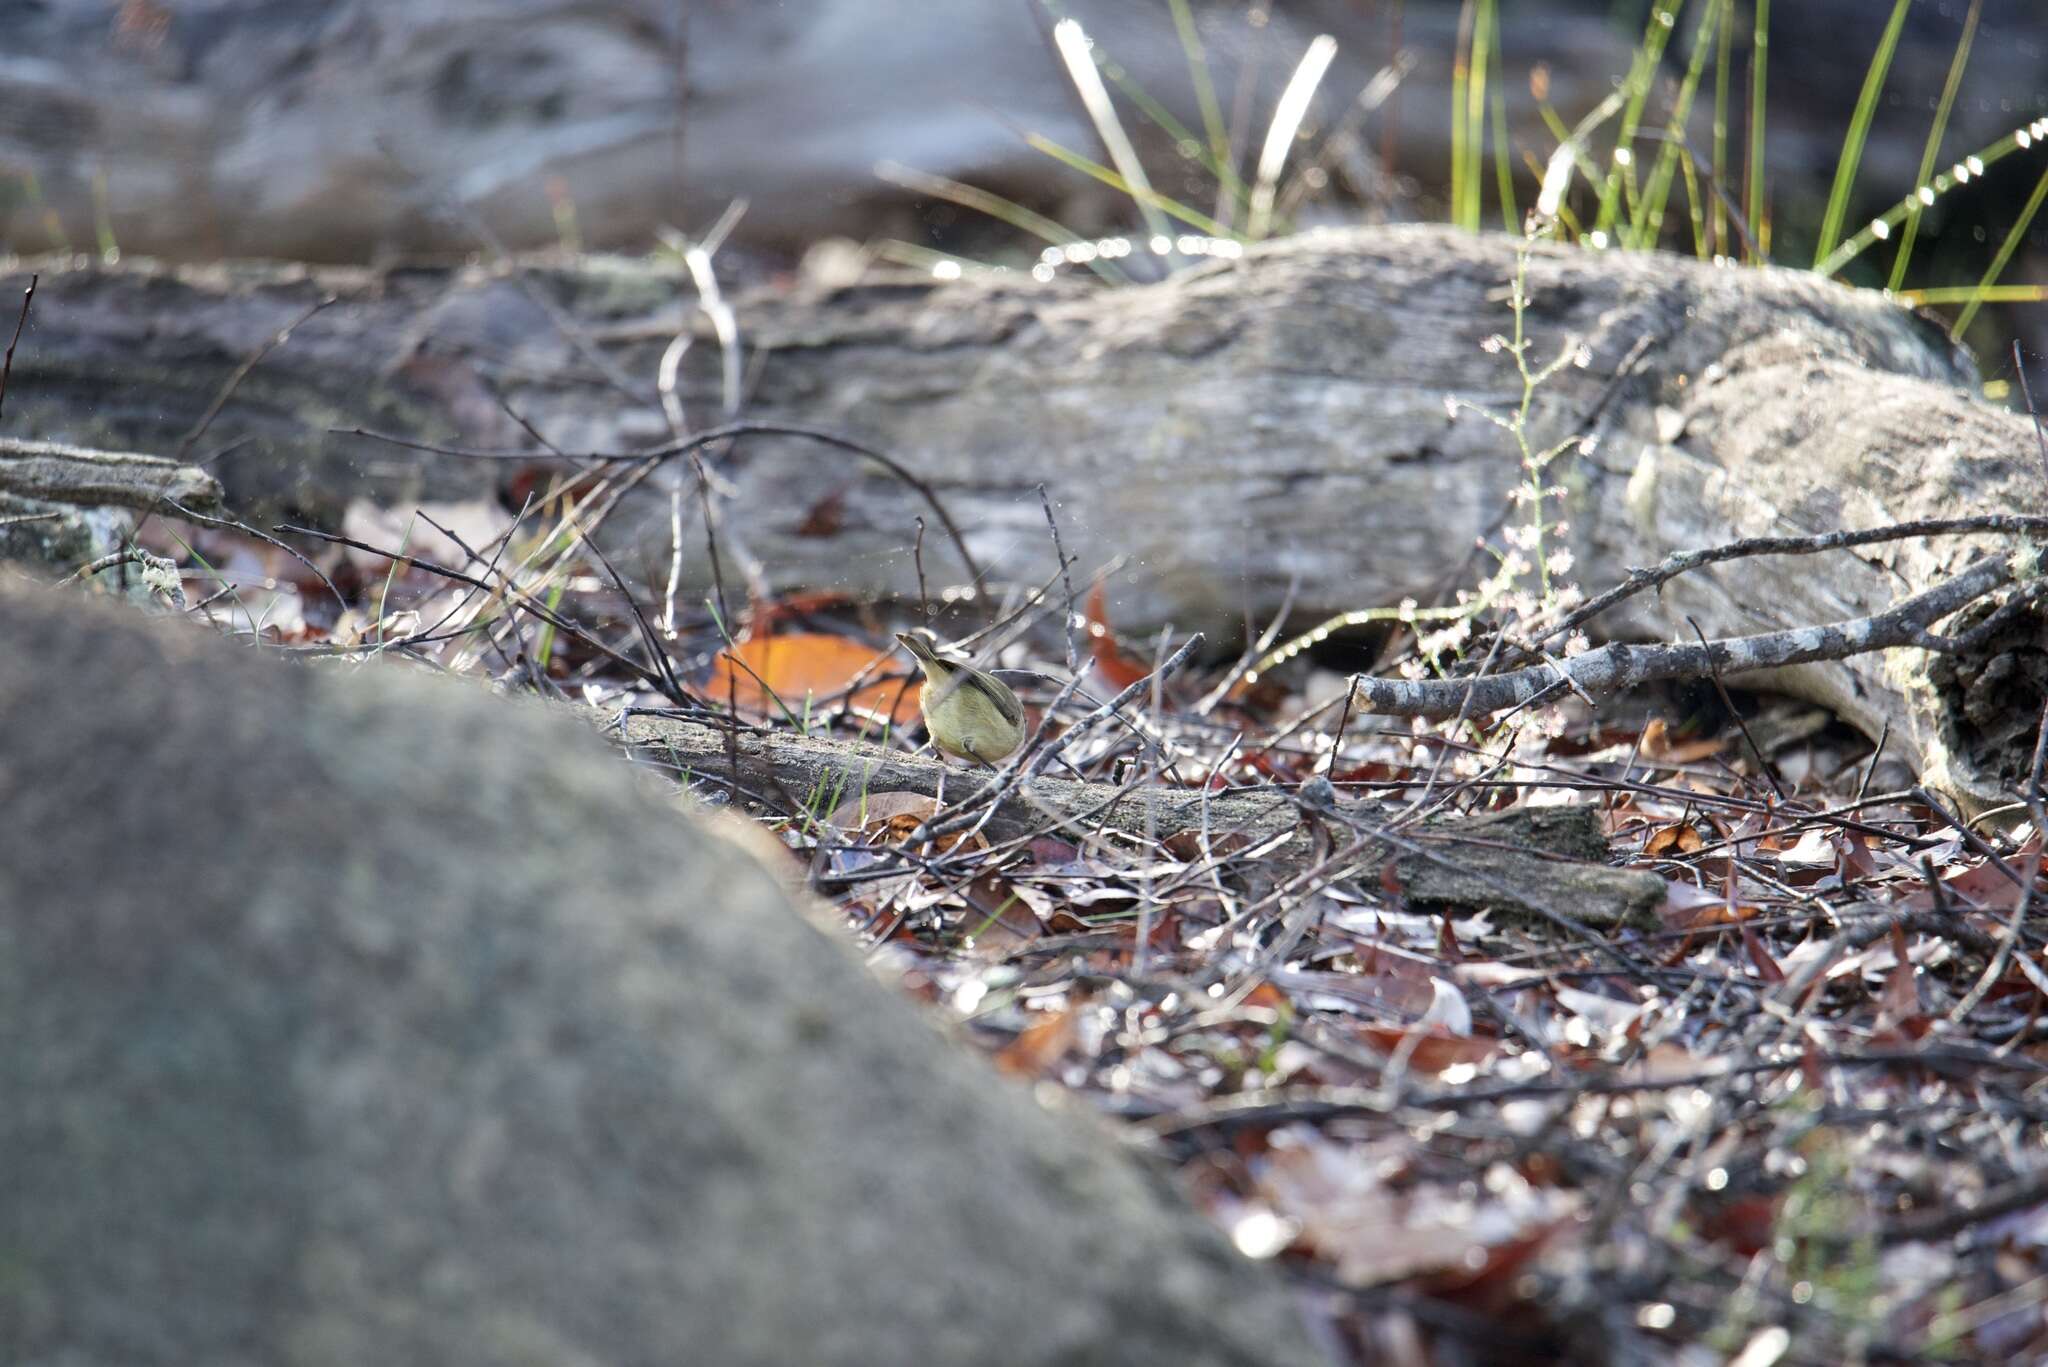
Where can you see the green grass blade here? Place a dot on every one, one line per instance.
(1642, 73)
(1483, 27)
(1695, 211)
(1183, 136)
(1288, 114)
(2005, 251)
(103, 218)
(1464, 163)
(1759, 63)
(1205, 89)
(1648, 224)
(1859, 133)
(544, 653)
(1503, 169)
(940, 265)
(1079, 55)
(1880, 229)
(1932, 150)
(996, 207)
(1963, 294)
(1717, 172)
(1571, 154)
(1145, 195)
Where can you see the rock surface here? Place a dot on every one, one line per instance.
(356, 1018)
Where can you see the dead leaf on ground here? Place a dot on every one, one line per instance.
(1040, 1044)
(1668, 842)
(999, 920)
(1767, 968)
(826, 516)
(1688, 907)
(1117, 669)
(1430, 1049)
(1898, 1004)
(806, 668)
(407, 530)
(1186, 846)
(1659, 744)
(891, 818)
(1354, 1211)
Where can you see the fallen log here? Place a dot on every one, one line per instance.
(50, 492)
(1246, 428)
(48, 472)
(1528, 861)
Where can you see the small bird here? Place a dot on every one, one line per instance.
(969, 714)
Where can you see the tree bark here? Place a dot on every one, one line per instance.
(52, 497)
(1244, 429)
(48, 472)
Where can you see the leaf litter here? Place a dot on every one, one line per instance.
(1797, 1116)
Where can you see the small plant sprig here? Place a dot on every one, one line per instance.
(1530, 579)
(1533, 547)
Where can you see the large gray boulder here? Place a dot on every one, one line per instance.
(348, 1017)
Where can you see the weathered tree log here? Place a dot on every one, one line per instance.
(50, 472)
(1242, 428)
(1527, 861)
(49, 493)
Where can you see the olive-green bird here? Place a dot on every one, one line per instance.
(969, 714)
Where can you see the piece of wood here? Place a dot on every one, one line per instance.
(55, 499)
(75, 476)
(1526, 861)
(1242, 429)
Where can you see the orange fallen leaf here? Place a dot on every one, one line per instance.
(1660, 744)
(1431, 1048)
(1040, 1045)
(891, 818)
(810, 666)
(1117, 670)
(1676, 839)
(1268, 996)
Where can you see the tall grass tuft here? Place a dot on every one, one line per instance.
(1922, 183)
(1859, 133)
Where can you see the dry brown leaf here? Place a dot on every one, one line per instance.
(1659, 744)
(1186, 846)
(1687, 907)
(1433, 1049)
(890, 818)
(808, 666)
(1269, 997)
(999, 920)
(405, 528)
(1353, 1211)
(1117, 669)
(1813, 850)
(1040, 1044)
(1898, 1004)
(1668, 842)
(1766, 967)
(826, 516)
